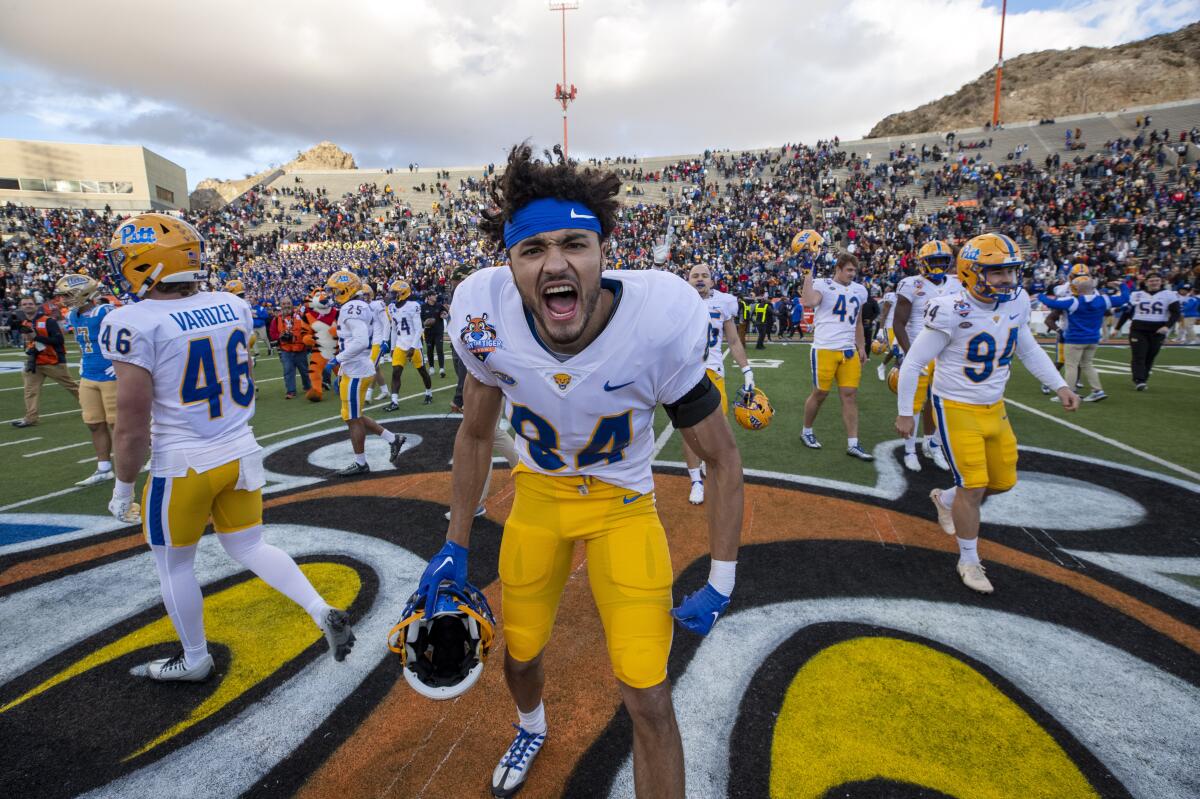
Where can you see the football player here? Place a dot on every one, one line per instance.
(888, 312)
(405, 313)
(974, 333)
(97, 380)
(579, 358)
(913, 295)
(722, 311)
(839, 348)
(185, 397)
(381, 334)
(357, 369)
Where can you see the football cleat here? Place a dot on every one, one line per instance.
(912, 462)
(353, 469)
(395, 447)
(513, 768)
(428, 400)
(175, 669)
(1095, 396)
(939, 458)
(392, 406)
(810, 440)
(973, 577)
(1045, 389)
(1140, 387)
(858, 452)
(442, 652)
(336, 627)
(96, 478)
(479, 511)
(696, 496)
(944, 516)
(881, 371)
(441, 372)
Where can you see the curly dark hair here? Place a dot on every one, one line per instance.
(527, 178)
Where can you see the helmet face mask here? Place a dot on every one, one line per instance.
(400, 290)
(982, 257)
(344, 286)
(936, 260)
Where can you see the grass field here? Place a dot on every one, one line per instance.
(1148, 430)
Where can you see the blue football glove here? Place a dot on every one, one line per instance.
(450, 563)
(699, 612)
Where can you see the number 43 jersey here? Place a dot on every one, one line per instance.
(195, 349)
(592, 413)
(984, 338)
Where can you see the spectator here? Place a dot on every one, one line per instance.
(45, 356)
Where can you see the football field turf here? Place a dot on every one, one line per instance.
(852, 662)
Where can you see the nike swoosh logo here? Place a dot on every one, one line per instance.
(580, 216)
(1014, 316)
(607, 387)
(443, 563)
(634, 498)
(715, 616)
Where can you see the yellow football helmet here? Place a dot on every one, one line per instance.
(77, 290)
(893, 379)
(344, 285)
(756, 414)
(984, 252)
(878, 347)
(401, 289)
(1078, 282)
(149, 249)
(236, 286)
(366, 292)
(807, 241)
(1080, 270)
(936, 258)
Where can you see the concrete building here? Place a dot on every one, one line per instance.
(58, 175)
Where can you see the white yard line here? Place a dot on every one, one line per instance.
(24, 502)
(328, 419)
(56, 449)
(662, 440)
(1106, 439)
(41, 416)
(22, 441)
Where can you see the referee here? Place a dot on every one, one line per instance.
(1154, 310)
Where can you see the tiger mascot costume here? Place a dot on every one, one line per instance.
(322, 342)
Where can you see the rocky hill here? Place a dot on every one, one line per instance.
(213, 193)
(1053, 83)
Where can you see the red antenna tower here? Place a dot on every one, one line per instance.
(999, 66)
(564, 92)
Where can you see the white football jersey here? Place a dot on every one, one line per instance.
(984, 339)
(1154, 307)
(354, 339)
(918, 290)
(381, 328)
(406, 325)
(836, 317)
(591, 413)
(721, 307)
(195, 349)
(889, 299)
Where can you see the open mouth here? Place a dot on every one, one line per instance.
(561, 300)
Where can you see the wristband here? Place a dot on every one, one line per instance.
(721, 575)
(122, 490)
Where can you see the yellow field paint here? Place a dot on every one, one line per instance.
(262, 629)
(881, 708)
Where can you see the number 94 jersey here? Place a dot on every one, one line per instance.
(984, 338)
(195, 349)
(593, 413)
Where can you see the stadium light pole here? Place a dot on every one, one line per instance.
(564, 93)
(999, 65)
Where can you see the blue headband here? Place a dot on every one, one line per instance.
(548, 213)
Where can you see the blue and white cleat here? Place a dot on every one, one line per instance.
(510, 774)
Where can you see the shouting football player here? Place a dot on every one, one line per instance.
(974, 334)
(580, 357)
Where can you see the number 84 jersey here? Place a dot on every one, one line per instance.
(984, 338)
(195, 349)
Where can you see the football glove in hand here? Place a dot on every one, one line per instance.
(747, 385)
(125, 510)
(450, 563)
(700, 611)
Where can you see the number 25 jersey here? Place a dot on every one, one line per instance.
(592, 413)
(984, 338)
(195, 349)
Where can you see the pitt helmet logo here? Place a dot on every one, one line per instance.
(562, 380)
(479, 337)
(132, 234)
(77, 281)
(969, 253)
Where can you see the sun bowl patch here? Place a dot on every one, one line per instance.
(962, 308)
(479, 337)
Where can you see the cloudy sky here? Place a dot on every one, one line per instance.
(225, 87)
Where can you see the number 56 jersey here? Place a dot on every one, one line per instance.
(195, 349)
(984, 338)
(591, 413)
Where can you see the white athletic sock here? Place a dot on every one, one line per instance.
(387, 435)
(104, 466)
(274, 567)
(968, 550)
(694, 474)
(910, 445)
(396, 398)
(534, 722)
(807, 431)
(429, 392)
(851, 442)
(947, 498)
(182, 598)
(360, 458)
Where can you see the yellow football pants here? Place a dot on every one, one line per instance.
(175, 510)
(979, 442)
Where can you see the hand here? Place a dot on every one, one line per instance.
(862, 354)
(1162, 331)
(700, 611)
(1070, 400)
(747, 394)
(125, 510)
(905, 425)
(450, 563)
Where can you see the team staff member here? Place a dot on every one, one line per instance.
(1154, 311)
(974, 334)
(838, 350)
(745, 314)
(581, 358)
(97, 378)
(1085, 316)
(764, 318)
(45, 356)
(291, 330)
(433, 320)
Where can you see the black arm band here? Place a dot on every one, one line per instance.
(694, 406)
